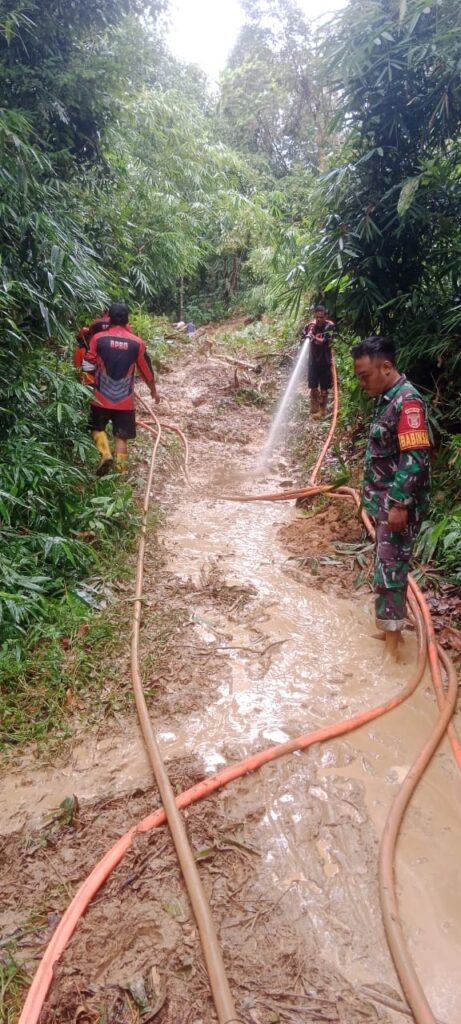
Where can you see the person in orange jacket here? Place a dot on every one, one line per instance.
(84, 336)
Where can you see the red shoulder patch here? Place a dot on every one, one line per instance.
(412, 428)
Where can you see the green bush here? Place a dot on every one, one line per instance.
(56, 517)
(441, 541)
(154, 330)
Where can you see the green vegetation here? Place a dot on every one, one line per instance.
(59, 663)
(14, 979)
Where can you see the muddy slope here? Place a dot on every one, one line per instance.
(255, 652)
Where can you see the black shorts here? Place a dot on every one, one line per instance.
(319, 375)
(123, 421)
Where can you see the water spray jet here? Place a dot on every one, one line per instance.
(281, 415)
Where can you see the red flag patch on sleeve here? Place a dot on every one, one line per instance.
(412, 428)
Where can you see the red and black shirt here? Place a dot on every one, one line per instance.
(114, 355)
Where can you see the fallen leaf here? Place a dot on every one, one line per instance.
(71, 700)
(186, 967)
(137, 989)
(158, 996)
(178, 910)
(204, 854)
(69, 808)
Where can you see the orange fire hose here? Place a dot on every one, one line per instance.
(89, 888)
(435, 654)
(101, 872)
(387, 891)
(331, 431)
(446, 704)
(415, 594)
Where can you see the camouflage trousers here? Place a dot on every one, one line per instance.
(392, 564)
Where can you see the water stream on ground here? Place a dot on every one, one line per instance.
(323, 666)
(295, 659)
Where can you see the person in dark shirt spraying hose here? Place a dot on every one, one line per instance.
(319, 372)
(113, 356)
(396, 481)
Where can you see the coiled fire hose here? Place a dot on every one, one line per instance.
(446, 702)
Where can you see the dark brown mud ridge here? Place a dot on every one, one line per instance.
(328, 542)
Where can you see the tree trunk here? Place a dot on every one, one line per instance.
(234, 278)
(226, 286)
(181, 298)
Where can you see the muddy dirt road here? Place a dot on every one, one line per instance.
(256, 652)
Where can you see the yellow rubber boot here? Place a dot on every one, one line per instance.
(101, 441)
(121, 462)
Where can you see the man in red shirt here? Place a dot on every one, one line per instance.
(113, 356)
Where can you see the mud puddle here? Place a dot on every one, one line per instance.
(270, 658)
(271, 664)
(326, 668)
(298, 658)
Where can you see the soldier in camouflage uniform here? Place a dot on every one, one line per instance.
(396, 483)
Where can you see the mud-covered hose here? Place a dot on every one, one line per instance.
(219, 985)
(211, 950)
(387, 890)
(172, 427)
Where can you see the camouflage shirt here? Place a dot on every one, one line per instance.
(397, 461)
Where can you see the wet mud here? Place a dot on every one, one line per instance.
(271, 638)
(329, 544)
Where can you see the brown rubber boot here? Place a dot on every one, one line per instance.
(105, 467)
(314, 402)
(323, 399)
